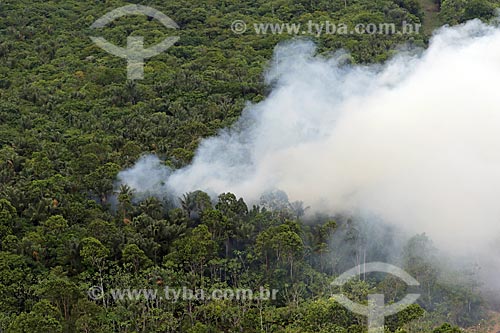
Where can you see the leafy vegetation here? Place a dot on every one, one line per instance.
(69, 121)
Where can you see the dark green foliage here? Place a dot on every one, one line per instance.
(447, 328)
(69, 121)
(459, 11)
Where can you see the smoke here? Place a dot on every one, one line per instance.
(147, 177)
(415, 142)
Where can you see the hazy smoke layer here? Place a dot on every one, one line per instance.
(415, 142)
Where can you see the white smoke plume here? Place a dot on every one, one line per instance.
(415, 141)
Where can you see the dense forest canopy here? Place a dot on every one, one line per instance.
(70, 121)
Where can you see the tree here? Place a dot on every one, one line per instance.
(8, 217)
(90, 318)
(15, 280)
(57, 288)
(55, 224)
(482, 9)
(282, 243)
(420, 261)
(94, 254)
(100, 182)
(194, 250)
(42, 319)
(135, 257)
(194, 203)
(125, 206)
(447, 328)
